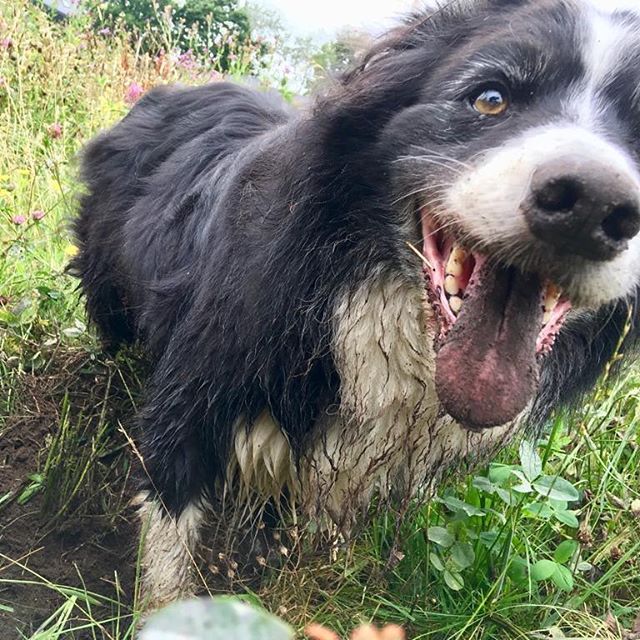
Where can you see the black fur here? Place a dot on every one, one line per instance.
(220, 226)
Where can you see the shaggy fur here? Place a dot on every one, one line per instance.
(261, 256)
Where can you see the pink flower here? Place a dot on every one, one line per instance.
(133, 93)
(187, 61)
(105, 31)
(6, 43)
(18, 220)
(55, 130)
(38, 214)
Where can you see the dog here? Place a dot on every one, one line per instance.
(343, 301)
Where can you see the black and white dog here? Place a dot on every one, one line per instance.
(348, 299)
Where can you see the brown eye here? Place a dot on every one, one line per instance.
(491, 102)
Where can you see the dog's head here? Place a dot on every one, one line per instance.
(517, 160)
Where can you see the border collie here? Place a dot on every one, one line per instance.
(344, 301)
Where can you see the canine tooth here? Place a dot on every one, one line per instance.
(456, 304)
(551, 297)
(455, 264)
(451, 285)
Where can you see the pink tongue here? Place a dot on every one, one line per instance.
(486, 369)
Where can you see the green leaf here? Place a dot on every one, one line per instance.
(523, 487)
(565, 551)
(458, 505)
(538, 510)
(530, 461)
(543, 570)
(556, 489)
(207, 619)
(440, 536)
(567, 517)
(484, 484)
(454, 580)
(562, 578)
(463, 555)
(31, 489)
(500, 473)
(518, 570)
(489, 538)
(436, 562)
(506, 497)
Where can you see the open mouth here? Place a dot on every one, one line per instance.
(495, 324)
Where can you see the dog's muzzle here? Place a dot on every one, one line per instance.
(582, 207)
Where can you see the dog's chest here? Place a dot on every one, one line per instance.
(388, 435)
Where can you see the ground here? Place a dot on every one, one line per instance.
(93, 547)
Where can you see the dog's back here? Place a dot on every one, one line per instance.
(150, 164)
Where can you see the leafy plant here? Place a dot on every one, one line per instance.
(468, 530)
(209, 619)
(207, 29)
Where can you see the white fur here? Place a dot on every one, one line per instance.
(263, 459)
(486, 201)
(389, 435)
(608, 44)
(168, 548)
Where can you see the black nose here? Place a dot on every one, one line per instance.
(582, 207)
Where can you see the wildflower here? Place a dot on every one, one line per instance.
(6, 43)
(3, 82)
(55, 130)
(70, 250)
(18, 220)
(105, 31)
(133, 93)
(187, 61)
(38, 214)
(216, 76)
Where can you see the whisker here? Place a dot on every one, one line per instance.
(425, 189)
(420, 255)
(438, 162)
(442, 156)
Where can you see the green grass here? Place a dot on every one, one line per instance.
(492, 558)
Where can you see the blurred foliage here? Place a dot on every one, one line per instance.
(212, 30)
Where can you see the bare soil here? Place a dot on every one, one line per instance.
(86, 541)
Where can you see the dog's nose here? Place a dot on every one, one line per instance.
(582, 207)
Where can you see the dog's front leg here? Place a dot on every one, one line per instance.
(168, 547)
(173, 506)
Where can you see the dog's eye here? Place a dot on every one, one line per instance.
(491, 102)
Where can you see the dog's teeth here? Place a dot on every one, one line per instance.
(456, 304)
(455, 264)
(551, 298)
(451, 285)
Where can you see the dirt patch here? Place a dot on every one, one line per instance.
(65, 480)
